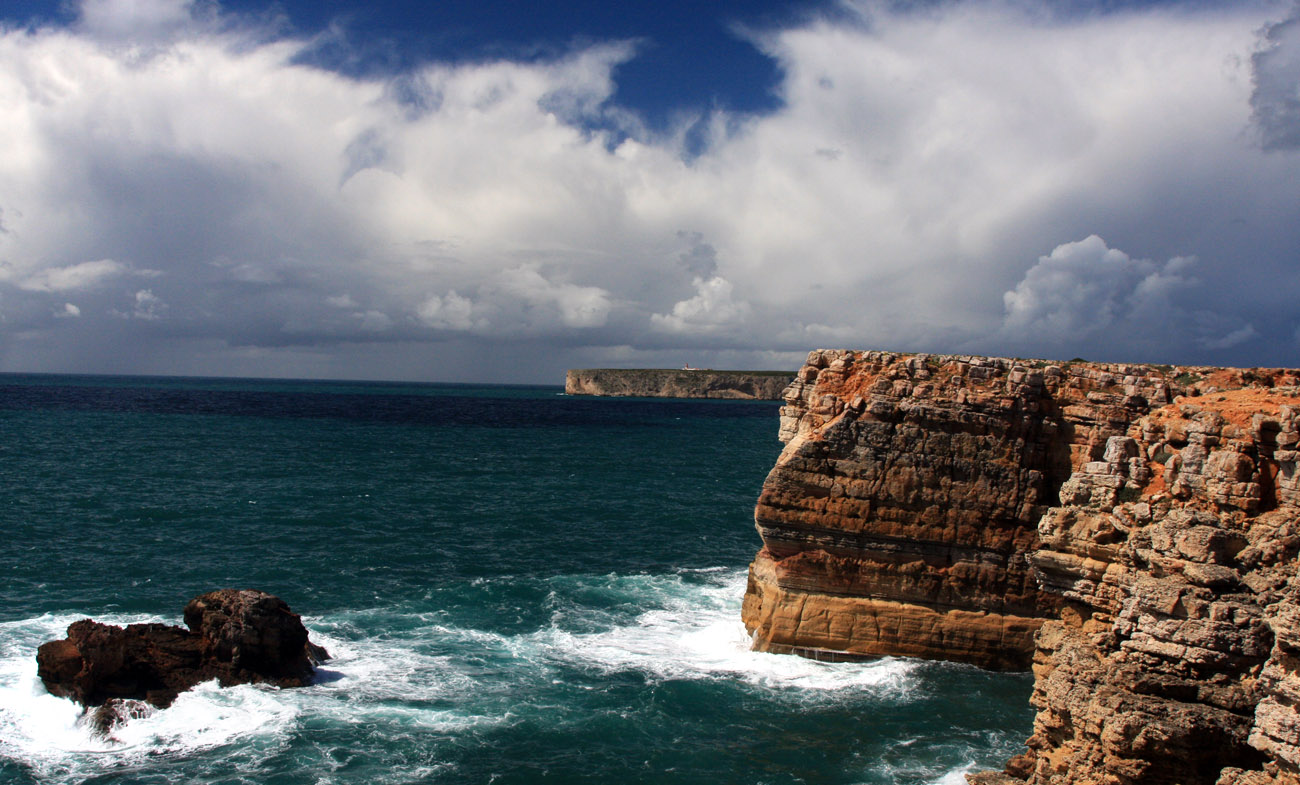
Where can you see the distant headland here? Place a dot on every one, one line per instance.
(686, 382)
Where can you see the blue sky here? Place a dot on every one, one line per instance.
(499, 190)
(688, 55)
(698, 53)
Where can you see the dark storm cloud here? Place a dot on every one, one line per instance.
(1276, 72)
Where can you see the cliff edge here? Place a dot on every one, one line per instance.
(664, 383)
(1132, 532)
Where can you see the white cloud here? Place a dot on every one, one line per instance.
(73, 277)
(69, 311)
(577, 306)
(148, 306)
(711, 308)
(1084, 287)
(448, 312)
(918, 166)
(253, 273)
(136, 20)
(374, 321)
(1087, 292)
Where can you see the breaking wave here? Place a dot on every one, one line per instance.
(411, 692)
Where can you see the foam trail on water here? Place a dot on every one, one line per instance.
(390, 680)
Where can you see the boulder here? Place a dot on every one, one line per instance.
(235, 637)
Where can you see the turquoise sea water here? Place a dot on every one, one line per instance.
(517, 586)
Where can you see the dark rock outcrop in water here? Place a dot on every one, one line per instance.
(236, 637)
(663, 383)
(1133, 531)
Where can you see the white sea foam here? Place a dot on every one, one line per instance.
(392, 680)
(413, 672)
(368, 681)
(956, 776)
(925, 768)
(51, 736)
(697, 633)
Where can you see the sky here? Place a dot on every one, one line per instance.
(497, 191)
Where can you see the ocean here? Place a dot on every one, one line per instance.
(516, 586)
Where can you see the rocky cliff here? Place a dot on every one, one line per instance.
(655, 383)
(1131, 531)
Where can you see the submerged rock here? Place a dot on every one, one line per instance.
(103, 719)
(234, 636)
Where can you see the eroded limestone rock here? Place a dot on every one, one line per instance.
(900, 513)
(1144, 520)
(1176, 661)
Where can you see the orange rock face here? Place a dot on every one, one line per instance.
(1176, 658)
(1131, 531)
(899, 515)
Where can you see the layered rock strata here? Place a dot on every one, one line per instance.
(656, 383)
(898, 516)
(235, 637)
(1131, 531)
(1175, 657)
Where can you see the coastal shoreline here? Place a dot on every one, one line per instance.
(680, 383)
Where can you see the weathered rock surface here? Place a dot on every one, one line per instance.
(1175, 658)
(1143, 520)
(236, 637)
(898, 516)
(656, 383)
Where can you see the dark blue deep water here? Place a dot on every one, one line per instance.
(517, 587)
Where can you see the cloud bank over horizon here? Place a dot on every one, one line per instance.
(181, 192)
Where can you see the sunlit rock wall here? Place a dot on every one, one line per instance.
(1130, 531)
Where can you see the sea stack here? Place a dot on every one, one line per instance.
(234, 636)
(1130, 531)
